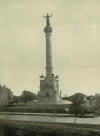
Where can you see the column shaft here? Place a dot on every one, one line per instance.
(49, 68)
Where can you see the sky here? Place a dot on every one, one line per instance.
(75, 44)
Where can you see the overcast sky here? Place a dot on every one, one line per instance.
(75, 41)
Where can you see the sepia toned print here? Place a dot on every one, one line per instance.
(49, 68)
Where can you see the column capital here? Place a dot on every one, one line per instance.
(48, 29)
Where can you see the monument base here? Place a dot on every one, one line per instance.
(49, 90)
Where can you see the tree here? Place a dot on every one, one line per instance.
(28, 96)
(96, 104)
(10, 96)
(17, 99)
(6, 95)
(77, 106)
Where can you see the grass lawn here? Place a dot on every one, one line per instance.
(22, 128)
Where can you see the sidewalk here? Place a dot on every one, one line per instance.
(36, 114)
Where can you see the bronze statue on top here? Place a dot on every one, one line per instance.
(47, 18)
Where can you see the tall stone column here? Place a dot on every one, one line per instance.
(49, 85)
(48, 31)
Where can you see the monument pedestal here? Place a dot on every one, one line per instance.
(49, 89)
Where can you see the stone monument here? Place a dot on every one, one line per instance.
(49, 84)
